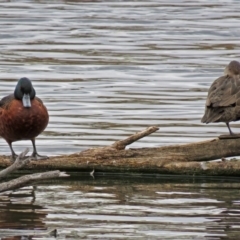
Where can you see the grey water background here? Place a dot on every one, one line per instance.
(106, 69)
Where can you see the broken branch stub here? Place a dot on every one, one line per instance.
(121, 144)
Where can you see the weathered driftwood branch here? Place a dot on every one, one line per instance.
(36, 233)
(19, 163)
(176, 159)
(26, 179)
(119, 145)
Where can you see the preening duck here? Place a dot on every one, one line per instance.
(223, 100)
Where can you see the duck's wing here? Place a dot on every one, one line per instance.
(39, 100)
(223, 92)
(4, 103)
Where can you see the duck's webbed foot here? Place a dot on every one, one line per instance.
(13, 157)
(35, 156)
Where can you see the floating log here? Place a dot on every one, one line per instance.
(190, 158)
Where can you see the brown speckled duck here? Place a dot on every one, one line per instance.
(223, 100)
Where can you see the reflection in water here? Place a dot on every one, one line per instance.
(112, 207)
(19, 211)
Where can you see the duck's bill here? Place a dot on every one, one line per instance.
(26, 100)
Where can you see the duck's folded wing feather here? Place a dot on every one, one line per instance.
(6, 101)
(223, 92)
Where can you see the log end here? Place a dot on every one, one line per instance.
(235, 136)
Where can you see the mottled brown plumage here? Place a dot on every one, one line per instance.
(22, 119)
(223, 100)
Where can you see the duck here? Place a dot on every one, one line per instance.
(23, 116)
(223, 99)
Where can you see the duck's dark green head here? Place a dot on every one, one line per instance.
(24, 91)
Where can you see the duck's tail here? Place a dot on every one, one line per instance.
(212, 115)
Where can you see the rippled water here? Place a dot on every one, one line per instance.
(119, 207)
(106, 69)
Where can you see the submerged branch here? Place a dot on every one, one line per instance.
(27, 179)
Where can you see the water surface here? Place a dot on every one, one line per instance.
(106, 69)
(125, 207)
